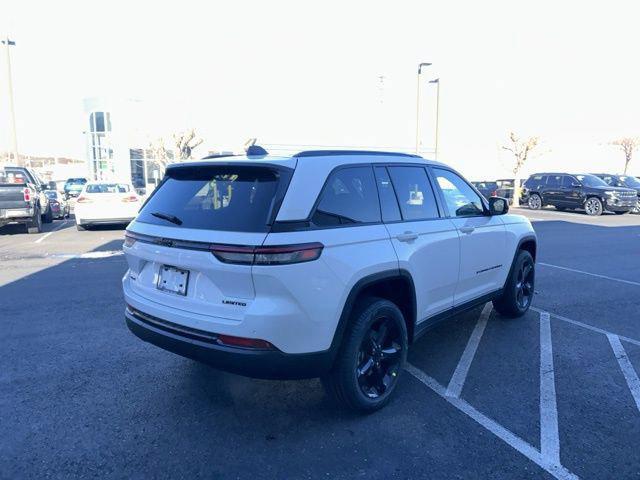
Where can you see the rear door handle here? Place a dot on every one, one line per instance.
(407, 236)
(467, 229)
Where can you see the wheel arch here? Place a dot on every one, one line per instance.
(394, 285)
(528, 243)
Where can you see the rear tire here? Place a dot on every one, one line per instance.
(371, 357)
(535, 201)
(35, 224)
(519, 288)
(48, 215)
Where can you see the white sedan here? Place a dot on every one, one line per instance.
(106, 203)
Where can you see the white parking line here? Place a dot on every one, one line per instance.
(459, 376)
(589, 327)
(629, 373)
(555, 469)
(58, 227)
(614, 279)
(549, 437)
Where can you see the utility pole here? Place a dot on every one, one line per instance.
(12, 119)
(437, 82)
(423, 64)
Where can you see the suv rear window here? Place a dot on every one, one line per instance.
(229, 198)
(12, 176)
(108, 188)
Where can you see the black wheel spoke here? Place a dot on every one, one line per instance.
(365, 367)
(391, 353)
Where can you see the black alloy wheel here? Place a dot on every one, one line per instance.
(379, 358)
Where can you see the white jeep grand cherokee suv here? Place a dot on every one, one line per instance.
(322, 264)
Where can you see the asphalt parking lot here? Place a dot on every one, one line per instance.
(554, 394)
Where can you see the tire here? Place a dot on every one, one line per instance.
(35, 224)
(48, 215)
(371, 357)
(535, 201)
(519, 288)
(593, 206)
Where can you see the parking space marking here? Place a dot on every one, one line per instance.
(460, 375)
(511, 439)
(58, 227)
(549, 437)
(621, 280)
(629, 373)
(589, 327)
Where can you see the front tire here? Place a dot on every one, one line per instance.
(371, 357)
(519, 289)
(48, 215)
(535, 201)
(593, 206)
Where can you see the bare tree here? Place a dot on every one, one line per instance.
(160, 154)
(186, 142)
(627, 145)
(521, 149)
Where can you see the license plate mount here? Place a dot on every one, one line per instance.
(173, 280)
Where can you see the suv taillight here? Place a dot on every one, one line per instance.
(130, 198)
(267, 255)
(84, 200)
(26, 194)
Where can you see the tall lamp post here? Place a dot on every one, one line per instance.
(423, 64)
(437, 82)
(14, 137)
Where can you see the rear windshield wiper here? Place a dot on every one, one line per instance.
(168, 217)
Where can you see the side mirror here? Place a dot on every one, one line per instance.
(498, 205)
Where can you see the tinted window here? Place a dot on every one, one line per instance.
(108, 188)
(348, 197)
(461, 199)
(52, 195)
(534, 181)
(591, 181)
(568, 181)
(388, 201)
(554, 180)
(632, 182)
(238, 199)
(414, 192)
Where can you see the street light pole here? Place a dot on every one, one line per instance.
(14, 136)
(423, 64)
(437, 82)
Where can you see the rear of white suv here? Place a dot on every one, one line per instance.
(317, 265)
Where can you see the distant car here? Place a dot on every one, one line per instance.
(505, 188)
(583, 191)
(106, 203)
(22, 199)
(73, 186)
(487, 189)
(59, 205)
(622, 181)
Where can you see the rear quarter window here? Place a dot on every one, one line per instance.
(239, 199)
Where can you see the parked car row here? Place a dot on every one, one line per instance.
(581, 191)
(593, 193)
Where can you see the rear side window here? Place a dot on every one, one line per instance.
(415, 195)
(348, 197)
(554, 180)
(388, 200)
(229, 198)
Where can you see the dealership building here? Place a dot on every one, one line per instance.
(117, 146)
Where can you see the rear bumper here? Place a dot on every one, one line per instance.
(103, 221)
(202, 346)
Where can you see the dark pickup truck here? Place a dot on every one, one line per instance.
(22, 199)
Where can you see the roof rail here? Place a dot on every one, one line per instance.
(219, 155)
(328, 153)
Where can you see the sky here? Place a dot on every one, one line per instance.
(338, 74)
